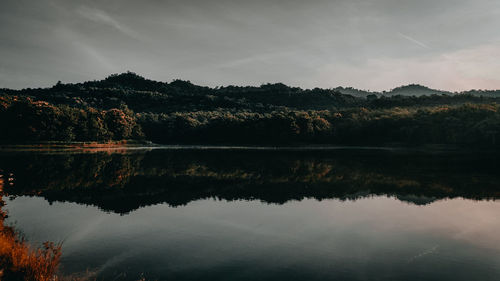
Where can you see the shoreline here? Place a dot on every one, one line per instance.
(131, 146)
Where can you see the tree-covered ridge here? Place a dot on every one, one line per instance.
(144, 95)
(128, 106)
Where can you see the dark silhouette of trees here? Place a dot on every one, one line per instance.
(121, 182)
(23, 119)
(128, 106)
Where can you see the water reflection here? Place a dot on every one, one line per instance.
(369, 239)
(260, 215)
(122, 182)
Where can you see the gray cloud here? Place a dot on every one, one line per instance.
(377, 44)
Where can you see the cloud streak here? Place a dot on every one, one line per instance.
(101, 17)
(413, 40)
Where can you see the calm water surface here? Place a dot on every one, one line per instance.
(260, 215)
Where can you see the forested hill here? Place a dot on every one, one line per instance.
(128, 106)
(415, 90)
(143, 95)
(407, 90)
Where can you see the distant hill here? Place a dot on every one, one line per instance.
(419, 90)
(415, 90)
(355, 92)
(412, 90)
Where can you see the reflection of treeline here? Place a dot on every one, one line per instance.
(123, 182)
(128, 106)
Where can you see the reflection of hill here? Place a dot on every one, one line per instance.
(126, 181)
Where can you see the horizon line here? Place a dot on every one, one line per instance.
(247, 85)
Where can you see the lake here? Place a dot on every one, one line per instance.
(206, 213)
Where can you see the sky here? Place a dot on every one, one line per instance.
(367, 44)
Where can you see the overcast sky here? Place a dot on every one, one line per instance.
(367, 44)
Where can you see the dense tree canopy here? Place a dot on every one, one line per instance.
(127, 106)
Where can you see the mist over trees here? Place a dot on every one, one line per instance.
(128, 106)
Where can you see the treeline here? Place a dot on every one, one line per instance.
(460, 125)
(23, 120)
(128, 106)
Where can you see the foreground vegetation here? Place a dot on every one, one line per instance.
(19, 260)
(128, 106)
